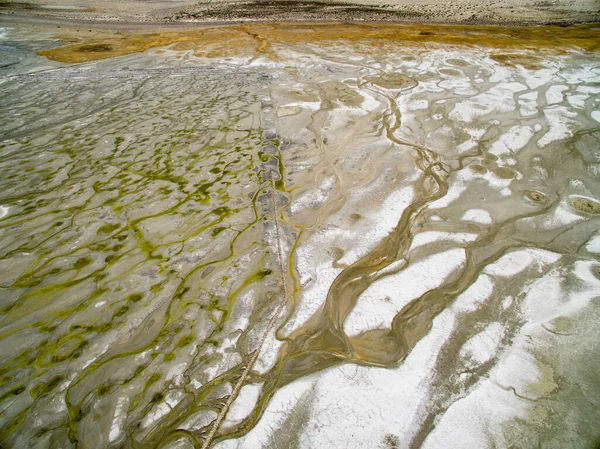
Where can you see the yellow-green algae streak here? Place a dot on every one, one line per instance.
(151, 239)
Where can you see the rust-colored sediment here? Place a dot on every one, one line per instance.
(244, 40)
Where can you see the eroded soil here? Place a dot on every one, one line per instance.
(301, 236)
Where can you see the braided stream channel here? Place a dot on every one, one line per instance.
(291, 237)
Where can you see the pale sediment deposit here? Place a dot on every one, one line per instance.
(301, 236)
(118, 13)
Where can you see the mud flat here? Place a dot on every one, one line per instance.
(424, 11)
(300, 235)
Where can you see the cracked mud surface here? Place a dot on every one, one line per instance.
(301, 236)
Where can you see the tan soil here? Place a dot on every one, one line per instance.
(428, 11)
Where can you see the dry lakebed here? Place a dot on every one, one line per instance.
(300, 235)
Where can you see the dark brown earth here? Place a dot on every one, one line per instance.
(291, 11)
(416, 11)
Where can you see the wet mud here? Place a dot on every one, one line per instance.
(246, 40)
(190, 233)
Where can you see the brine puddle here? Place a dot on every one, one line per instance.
(260, 251)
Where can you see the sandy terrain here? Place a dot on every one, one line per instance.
(435, 11)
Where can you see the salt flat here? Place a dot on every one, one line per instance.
(300, 235)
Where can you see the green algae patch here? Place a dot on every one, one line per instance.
(135, 297)
(121, 311)
(102, 390)
(107, 229)
(216, 231)
(184, 341)
(261, 274)
(42, 388)
(14, 392)
(82, 263)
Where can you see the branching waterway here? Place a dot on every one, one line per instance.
(300, 236)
